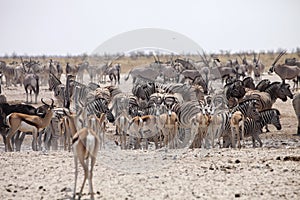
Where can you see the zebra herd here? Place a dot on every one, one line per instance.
(177, 104)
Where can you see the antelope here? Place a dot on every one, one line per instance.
(122, 126)
(98, 124)
(237, 119)
(168, 125)
(85, 147)
(31, 83)
(200, 122)
(70, 123)
(28, 123)
(296, 106)
(284, 71)
(141, 125)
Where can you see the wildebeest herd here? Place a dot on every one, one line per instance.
(175, 104)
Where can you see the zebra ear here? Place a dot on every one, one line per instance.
(277, 112)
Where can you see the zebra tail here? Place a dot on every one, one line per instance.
(37, 85)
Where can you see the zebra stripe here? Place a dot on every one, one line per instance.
(254, 128)
(99, 106)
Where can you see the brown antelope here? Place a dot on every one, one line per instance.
(237, 120)
(85, 149)
(200, 122)
(122, 126)
(70, 124)
(98, 124)
(168, 125)
(28, 123)
(284, 71)
(140, 126)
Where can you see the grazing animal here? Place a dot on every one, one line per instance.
(122, 126)
(237, 119)
(254, 128)
(114, 73)
(31, 83)
(168, 126)
(200, 123)
(296, 106)
(144, 127)
(28, 123)
(148, 73)
(284, 71)
(85, 148)
(70, 122)
(98, 124)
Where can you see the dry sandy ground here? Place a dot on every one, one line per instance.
(271, 172)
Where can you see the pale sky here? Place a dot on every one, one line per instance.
(60, 27)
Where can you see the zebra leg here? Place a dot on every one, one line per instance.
(253, 142)
(267, 129)
(255, 136)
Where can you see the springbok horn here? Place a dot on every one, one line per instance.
(42, 100)
(52, 103)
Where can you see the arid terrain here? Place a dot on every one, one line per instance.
(270, 172)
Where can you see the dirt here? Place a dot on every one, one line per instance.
(270, 172)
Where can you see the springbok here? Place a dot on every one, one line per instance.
(98, 124)
(28, 123)
(85, 147)
(200, 123)
(168, 126)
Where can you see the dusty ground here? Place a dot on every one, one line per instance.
(271, 172)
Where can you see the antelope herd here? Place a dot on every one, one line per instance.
(176, 104)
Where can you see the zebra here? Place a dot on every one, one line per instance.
(254, 128)
(8, 71)
(144, 91)
(99, 106)
(114, 73)
(188, 92)
(247, 108)
(58, 88)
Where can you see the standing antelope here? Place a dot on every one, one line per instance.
(85, 147)
(28, 123)
(285, 71)
(296, 106)
(31, 83)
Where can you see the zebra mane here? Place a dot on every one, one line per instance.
(271, 109)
